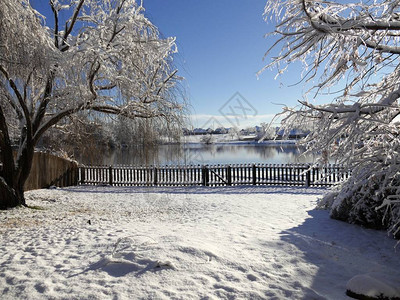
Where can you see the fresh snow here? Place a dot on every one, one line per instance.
(228, 139)
(374, 285)
(187, 243)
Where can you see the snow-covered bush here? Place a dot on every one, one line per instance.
(361, 201)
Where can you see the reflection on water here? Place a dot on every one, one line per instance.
(200, 154)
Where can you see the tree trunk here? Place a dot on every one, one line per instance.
(11, 198)
(11, 189)
(12, 179)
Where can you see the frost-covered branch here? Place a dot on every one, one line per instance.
(17, 93)
(69, 25)
(56, 28)
(354, 47)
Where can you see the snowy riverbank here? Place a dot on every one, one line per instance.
(184, 243)
(227, 139)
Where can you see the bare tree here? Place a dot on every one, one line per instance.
(353, 48)
(107, 58)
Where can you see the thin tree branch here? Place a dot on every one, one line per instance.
(56, 31)
(20, 100)
(69, 26)
(41, 111)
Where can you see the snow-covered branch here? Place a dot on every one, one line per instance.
(354, 46)
(69, 25)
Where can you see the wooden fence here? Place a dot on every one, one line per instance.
(50, 170)
(214, 175)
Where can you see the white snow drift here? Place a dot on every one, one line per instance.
(186, 243)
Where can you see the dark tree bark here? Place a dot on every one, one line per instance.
(14, 175)
(12, 179)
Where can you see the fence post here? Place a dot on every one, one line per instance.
(155, 176)
(229, 175)
(205, 176)
(82, 171)
(308, 177)
(254, 168)
(110, 177)
(75, 176)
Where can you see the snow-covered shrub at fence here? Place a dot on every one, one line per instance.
(370, 197)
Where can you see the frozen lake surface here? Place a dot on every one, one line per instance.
(197, 153)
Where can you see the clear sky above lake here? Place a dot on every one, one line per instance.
(221, 46)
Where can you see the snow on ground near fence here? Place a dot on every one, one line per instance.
(184, 243)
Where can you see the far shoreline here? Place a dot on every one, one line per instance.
(221, 143)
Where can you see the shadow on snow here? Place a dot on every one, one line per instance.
(241, 189)
(341, 251)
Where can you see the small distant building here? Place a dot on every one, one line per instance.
(220, 130)
(294, 134)
(199, 131)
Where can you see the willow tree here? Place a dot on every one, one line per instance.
(106, 57)
(353, 49)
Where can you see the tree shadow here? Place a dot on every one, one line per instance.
(239, 189)
(341, 251)
(122, 267)
(123, 261)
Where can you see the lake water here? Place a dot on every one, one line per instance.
(200, 154)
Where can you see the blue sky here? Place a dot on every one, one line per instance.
(221, 46)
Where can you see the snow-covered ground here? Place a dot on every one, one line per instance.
(186, 243)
